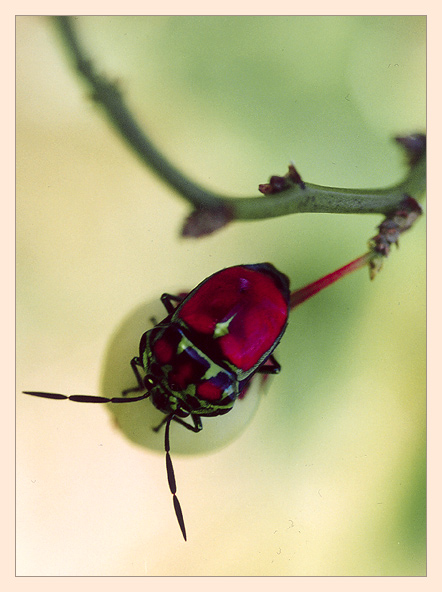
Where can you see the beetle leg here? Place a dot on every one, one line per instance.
(196, 427)
(167, 299)
(273, 368)
(134, 363)
(197, 424)
(162, 422)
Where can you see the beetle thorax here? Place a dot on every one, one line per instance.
(182, 379)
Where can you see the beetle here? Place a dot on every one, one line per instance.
(200, 358)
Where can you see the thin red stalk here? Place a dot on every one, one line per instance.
(299, 296)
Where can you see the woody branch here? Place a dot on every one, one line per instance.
(281, 195)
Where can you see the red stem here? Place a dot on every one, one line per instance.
(299, 296)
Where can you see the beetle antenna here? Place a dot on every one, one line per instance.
(171, 479)
(87, 398)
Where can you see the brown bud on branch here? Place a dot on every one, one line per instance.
(277, 184)
(390, 229)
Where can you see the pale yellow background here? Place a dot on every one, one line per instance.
(329, 477)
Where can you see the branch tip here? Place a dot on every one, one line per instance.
(415, 146)
(204, 221)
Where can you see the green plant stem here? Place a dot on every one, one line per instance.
(312, 198)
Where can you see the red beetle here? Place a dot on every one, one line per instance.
(199, 359)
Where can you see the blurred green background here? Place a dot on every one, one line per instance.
(329, 477)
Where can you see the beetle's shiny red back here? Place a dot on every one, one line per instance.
(243, 309)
